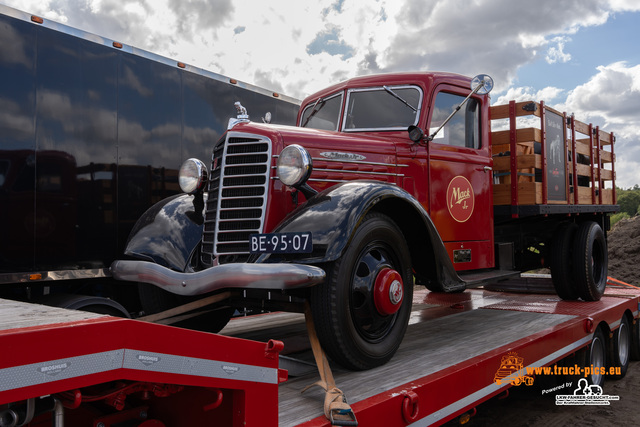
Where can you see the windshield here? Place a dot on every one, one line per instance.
(323, 114)
(383, 108)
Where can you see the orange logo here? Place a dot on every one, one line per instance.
(460, 199)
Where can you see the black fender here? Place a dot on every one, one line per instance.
(333, 215)
(168, 232)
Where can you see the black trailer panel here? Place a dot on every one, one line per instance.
(91, 135)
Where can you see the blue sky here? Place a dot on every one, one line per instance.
(615, 40)
(579, 56)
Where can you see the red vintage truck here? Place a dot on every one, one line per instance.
(388, 182)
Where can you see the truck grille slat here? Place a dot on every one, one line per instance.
(235, 209)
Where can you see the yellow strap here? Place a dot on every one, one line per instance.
(336, 408)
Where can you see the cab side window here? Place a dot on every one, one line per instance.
(463, 130)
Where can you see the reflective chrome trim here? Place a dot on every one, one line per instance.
(358, 162)
(357, 171)
(234, 275)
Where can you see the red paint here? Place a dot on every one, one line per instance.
(388, 291)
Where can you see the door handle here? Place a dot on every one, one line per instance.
(487, 168)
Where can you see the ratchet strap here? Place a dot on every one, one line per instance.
(170, 316)
(336, 408)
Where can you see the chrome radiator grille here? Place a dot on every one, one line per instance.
(238, 186)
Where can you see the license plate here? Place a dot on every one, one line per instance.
(281, 243)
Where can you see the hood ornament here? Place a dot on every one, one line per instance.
(242, 116)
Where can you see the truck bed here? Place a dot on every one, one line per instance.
(544, 157)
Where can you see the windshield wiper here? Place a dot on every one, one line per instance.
(316, 107)
(399, 98)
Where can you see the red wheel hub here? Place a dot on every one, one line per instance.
(388, 291)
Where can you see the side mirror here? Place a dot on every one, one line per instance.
(415, 134)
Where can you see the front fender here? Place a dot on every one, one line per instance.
(168, 232)
(333, 215)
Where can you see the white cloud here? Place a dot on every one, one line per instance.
(298, 47)
(520, 94)
(556, 53)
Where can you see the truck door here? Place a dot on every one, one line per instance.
(460, 200)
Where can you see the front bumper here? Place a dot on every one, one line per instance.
(237, 275)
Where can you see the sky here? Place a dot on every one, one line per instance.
(579, 56)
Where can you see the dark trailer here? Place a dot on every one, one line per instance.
(92, 133)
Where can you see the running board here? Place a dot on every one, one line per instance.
(475, 279)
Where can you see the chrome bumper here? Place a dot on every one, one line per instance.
(238, 275)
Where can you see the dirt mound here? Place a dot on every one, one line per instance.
(624, 250)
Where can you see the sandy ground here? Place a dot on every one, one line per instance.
(624, 251)
(526, 406)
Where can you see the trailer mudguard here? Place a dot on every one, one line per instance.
(168, 232)
(333, 215)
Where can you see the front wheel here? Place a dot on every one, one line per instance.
(362, 310)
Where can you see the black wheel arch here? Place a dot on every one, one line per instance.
(333, 215)
(153, 237)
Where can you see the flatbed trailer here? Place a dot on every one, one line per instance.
(161, 375)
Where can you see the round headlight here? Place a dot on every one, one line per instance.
(192, 176)
(294, 165)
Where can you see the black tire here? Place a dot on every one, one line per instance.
(562, 261)
(635, 340)
(350, 328)
(594, 356)
(154, 300)
(620, 353)
(590, 261)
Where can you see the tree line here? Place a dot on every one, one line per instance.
(629, 201)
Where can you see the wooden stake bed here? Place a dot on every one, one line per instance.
(546, 157)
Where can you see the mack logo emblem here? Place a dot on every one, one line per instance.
(335, 155)
(53, 370)
(230, 369)
(460, 199)
(148, 360)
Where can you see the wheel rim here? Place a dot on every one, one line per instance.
(368, 321)
(623, 344)
(596, 358)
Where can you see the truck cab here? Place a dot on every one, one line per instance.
(386, 181)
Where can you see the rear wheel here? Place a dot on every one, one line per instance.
(594, 358)
(635, 340)
(362, 310)
(562, 262)
(590, 261)
(621, 348)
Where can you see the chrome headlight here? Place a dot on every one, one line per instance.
(294, 165)
(192, 176)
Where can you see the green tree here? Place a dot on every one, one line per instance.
(629, 201)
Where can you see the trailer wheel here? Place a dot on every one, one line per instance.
(621, 347)
(154, 300)
(362, 310)
(635, 340)
(594, 357)
(590, 261)
(561, 261)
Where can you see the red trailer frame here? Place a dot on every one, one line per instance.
(445, 367)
